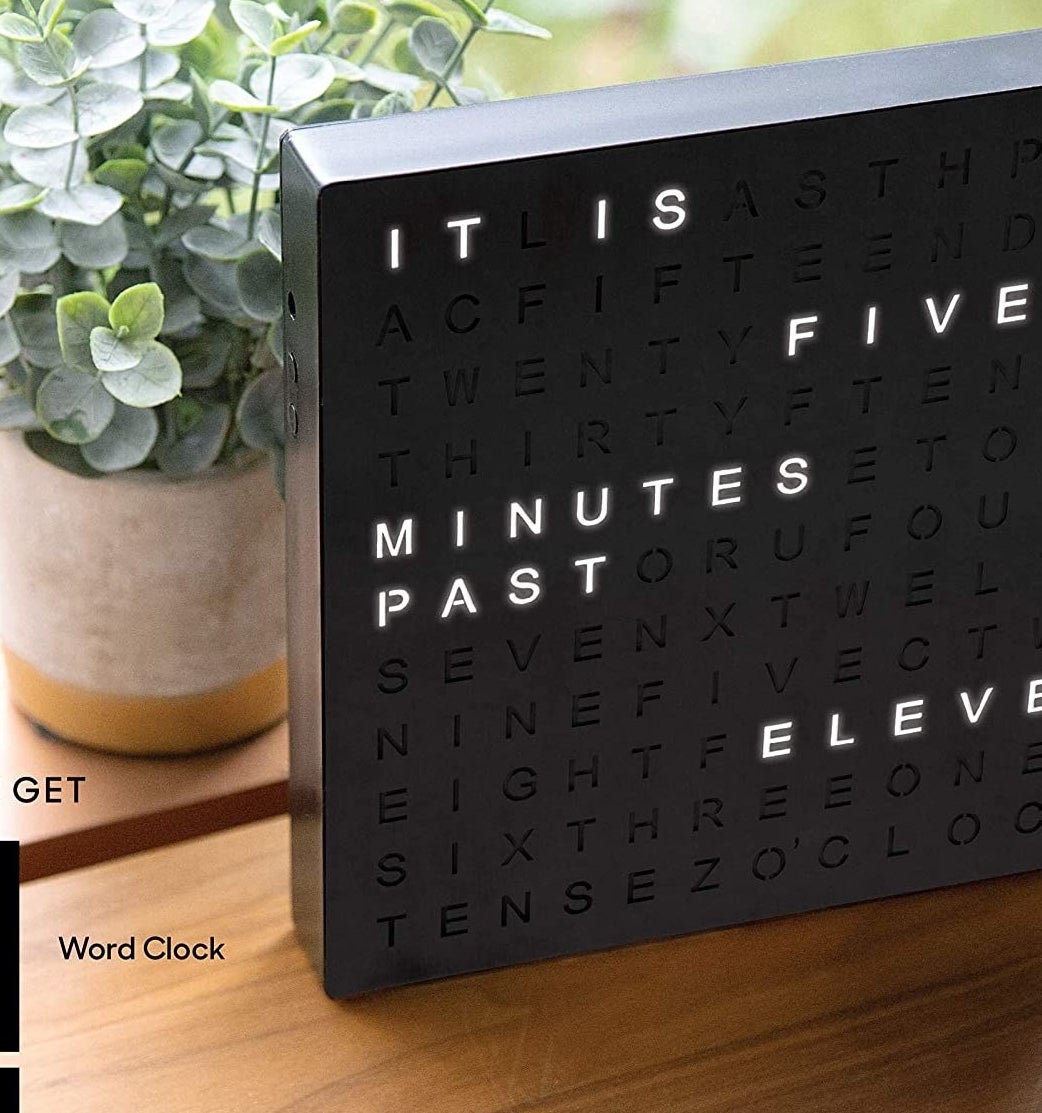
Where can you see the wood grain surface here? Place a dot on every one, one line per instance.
(920, 1003)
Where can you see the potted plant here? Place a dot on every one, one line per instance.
(141, 552)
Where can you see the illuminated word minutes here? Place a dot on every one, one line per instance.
(726, 487)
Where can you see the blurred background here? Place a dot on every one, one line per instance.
(605, 42)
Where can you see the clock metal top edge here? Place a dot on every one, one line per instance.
(615, 116)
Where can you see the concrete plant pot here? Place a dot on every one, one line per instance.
(140, 614)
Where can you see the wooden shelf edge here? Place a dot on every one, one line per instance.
(88, 847)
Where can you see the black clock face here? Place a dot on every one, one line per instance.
(681, 534)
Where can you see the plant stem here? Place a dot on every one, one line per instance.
(261, 152)
(75, 143)
(72, 99)
(441, 81)
(142, 66)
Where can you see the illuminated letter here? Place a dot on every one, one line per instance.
(722, 482)
(385, 546)
(671, 211)
(775, 739)
(1007, 302)
(657, 498)
(590, 564)
(524, 580)
(905, 713)
(798, 333)
(459, 596)
(464, 225)
(392, 601)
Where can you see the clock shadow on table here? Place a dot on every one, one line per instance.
(931, 1002)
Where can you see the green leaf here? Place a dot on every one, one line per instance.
(180, 220)
(196, 437)
(122, 174)
(73, 406)
(18, 28)
(27, 242)
(77, 315)
(277, 125)
(10, 345)
(269, 231)
(19, 197)
(103, 106)
(95, 247)
(328, 111)
(215, 284)
(236, 143)
(390, 81)
(65, 456)
(160, 67)
(33, 318)
(108, 38)
(151, 382)
(137, 313)
(174, 145)
(202, 104)
(184, 21)
(126, 442)
(467, 94)
(434, 44)
(16, 413)
(214, 242)
(351, 18)
(299, 78)
(345, 70)
(408, 11)
(111, 352)
(9, 287)
(16, 89)
(259, 278)
(260, 413)
(55, 62)
(285, 43)
(268, 181)
(394, 104)
(236, 99)
(49, 168)
(205, 357)
(510, 24)
(181, 305)
(41, 126)
(403, 59)
(255, 21)
(88, 203)
(302, 9)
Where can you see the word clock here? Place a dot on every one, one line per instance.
(665, 540)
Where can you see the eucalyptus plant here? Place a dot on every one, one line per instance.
(140, 244)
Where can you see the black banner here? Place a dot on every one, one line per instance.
(8, 950)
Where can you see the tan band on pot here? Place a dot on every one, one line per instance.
(149, 724)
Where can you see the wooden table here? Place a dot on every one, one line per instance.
(129, 803)
(921, 1003)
